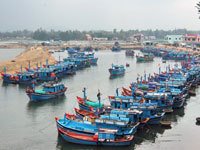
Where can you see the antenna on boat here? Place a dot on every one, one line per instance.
(21, 68)
(117, 91)
(149, 77)
(4, 69)
(29, 64)
(159, 70)
(47, 62)
(141, 79)
(37, 65)
(137, 78)
(145, 76)
(33, 85)
(132, 90)
(99, 97)
(84, 93)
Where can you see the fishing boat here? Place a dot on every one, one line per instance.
(72, 51)
(148, 57)
(95, 106)
(10, 78)
(88, 56)
(19, 78)
(81, 113)
(49, 90)
(88, 126)
(150, 112)
(130, 53)
(198, 119)
(46, 74)
(80, 63)
(116, 47)
(127, 65)
(165, 123)
(101, 137)
(117, 70)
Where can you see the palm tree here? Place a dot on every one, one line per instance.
(198, 7)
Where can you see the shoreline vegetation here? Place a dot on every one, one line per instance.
(67, 35)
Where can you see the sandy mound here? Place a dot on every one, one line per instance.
(34, 55)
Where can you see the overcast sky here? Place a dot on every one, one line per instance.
(98, 14)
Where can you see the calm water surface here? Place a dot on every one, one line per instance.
(7, 54)
(26, 125)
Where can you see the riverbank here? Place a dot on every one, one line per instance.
(185, 49)
(33, 55)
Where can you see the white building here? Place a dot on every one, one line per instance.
(100, 39)
(171, 39)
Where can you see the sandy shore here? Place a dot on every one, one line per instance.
(179, 49)
(34, 55)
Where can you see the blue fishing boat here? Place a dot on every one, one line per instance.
(80, 63)
(149, 111)
(88, 126)
(93, 60)
(95, 106)
(10, 78)
(87, 56)
(151, 114)
(130, 53)
(19, 78)
(72, 51)
(62, 69)
(116, 47)
(117, 70)
(49, 90)
(148, 57)
(101, 137)
(46, 74)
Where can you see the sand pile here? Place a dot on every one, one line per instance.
(34, 55)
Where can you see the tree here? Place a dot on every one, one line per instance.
(198, 7)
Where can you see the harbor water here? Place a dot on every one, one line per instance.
(27, 125)
(8, 54)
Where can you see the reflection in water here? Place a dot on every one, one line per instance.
(32, 106)
(63, 145)
(115, 77)
(37, 119)
(148, 133)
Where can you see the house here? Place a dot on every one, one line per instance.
(88, 37)
(192, 38)
(100, 39)
(173, 39)
(136, 37)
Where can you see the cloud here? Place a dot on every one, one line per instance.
(98, 14)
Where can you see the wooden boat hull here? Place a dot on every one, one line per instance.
(198, 119)
(42, 97)
(116, 72)
(93, 61)
(141, 59)
(83, 132)
(155, 120)
(6, 80)
(129, 53)
(90, 140)
(178, 103)
(17, 80)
